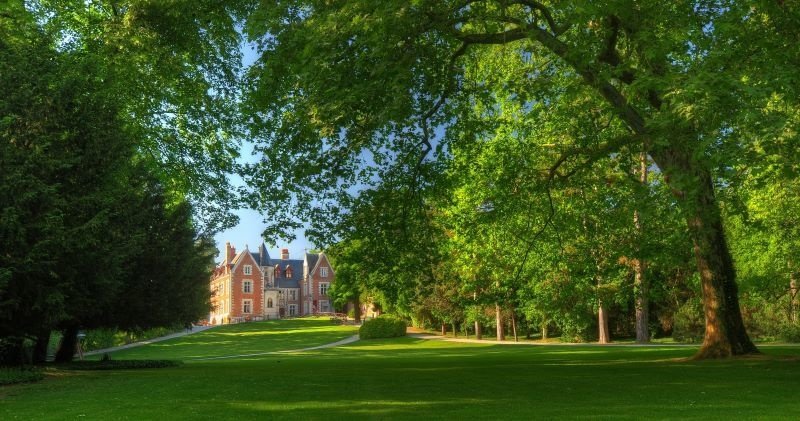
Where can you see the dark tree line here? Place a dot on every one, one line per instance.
(91, 235)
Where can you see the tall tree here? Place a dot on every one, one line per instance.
(677, 89)
(173, 68)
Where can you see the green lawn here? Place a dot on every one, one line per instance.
(413, 378)
(244, 338)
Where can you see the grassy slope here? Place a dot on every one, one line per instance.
(405, 378)
(245, 338)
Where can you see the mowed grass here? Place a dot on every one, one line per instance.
(244, 338)
(407, 378)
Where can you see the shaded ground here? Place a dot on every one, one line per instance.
(407, 378)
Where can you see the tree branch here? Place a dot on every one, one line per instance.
(545, 12)
(505, 37)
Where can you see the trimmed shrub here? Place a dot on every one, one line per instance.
(12, 375)
(382, 327)
(106, 364)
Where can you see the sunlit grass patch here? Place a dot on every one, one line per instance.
(410, 378)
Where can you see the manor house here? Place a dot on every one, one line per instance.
(252, 286)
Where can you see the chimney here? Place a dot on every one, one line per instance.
(230, 253)
(284, 254)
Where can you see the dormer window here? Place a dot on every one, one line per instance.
(288, 271)
(277, 271)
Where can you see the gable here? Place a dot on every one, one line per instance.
(246, 258)
(322, 261)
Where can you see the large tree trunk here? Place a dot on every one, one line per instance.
(69, 344)
(40, 349)
(640, 287)
(514, 325)
(499, 319)
(725, 333)
(357, 311)
(478, 333)
(545, 331)
(602, 321)
(793, 301)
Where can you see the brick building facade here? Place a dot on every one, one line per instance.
(253, 286)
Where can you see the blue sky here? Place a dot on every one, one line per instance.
(251, 225)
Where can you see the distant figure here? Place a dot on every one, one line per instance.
(189, 327)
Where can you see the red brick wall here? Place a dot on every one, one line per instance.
(257, 293)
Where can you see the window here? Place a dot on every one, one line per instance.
(292, 309)
(248, 270)
(323, 288)
(324, 307)
(293, 294)
(247, 286)
(277, 271)
(247, 306)
(269, 302)
(323, 272)
(288, 271)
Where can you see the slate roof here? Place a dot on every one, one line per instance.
(262, 256)
(312, 261)
(297, 273)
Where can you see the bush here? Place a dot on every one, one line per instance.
(107, 364)
(382, 327)
(689, 323)
(12, 375)
(789, 333)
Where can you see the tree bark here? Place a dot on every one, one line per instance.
(725, 333)
(444, 329)
(357, 311)
(544, 331)
(40, 349)
(793, 301)
(499, 319)
(69, 343)
(455, 331)
(478, 333)
(602, 321)
(640, 287)
(514, 325)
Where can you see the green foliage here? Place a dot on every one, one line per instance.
(688, 323)
(789, 333)
(12, 375)
(382, 327)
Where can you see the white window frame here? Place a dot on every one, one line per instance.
(326, 307)
(247, 306)
(245, 283)
(292, 309)
(323, 272)
(248, 270)
(324, 287)
(292, 294)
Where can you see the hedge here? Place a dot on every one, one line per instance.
(382, 327)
